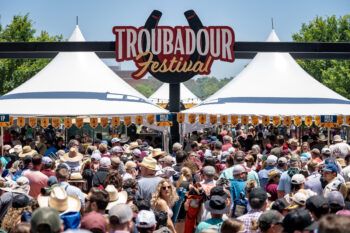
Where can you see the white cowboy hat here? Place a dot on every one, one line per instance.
(115, 197)
(59, 200)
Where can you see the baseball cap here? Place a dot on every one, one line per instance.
(96, 154)
(297, 220)
(146, 219)
(298, 179)
(258, 194)
(326, 151)
(115, 140)
(224, 156)
(45, 218)
(105, 162)
(331, 167)
(46, 160)
(238, 169)
(121, 212)
(268, 218)
(271, 160)
(209, 170)
(282, 160)
(316, 203)
(335, 197)
(94, 220)
(299, 198)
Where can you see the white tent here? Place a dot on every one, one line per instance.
(274, 84)
(76, 84)
(162, 95)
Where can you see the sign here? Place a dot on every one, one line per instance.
(150, 119)
(127, 120)
(115, 122)
(276, 120)
(234, 120)
(202, 118)
(44, 122)
(328, 119)
(191, 118)
(181, 117)
(223, 119)
(297, 121)
(244, 120)
(138, 120)
(67, 122)
(104, 122)
(265, 120)
(21, 122)
(93, 122)
(164, 119)
(173, 53)
(287, 121)
(308, 121)
(255, 120)
(32, 122)
(55, 122)
(4, 120)
(79, 122)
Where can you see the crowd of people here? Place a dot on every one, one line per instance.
(228, 181)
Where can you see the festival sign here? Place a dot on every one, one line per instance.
(265, 120)
(213, 119)
(255, 120)
(44, 122)
(55, 122)
(32, 122)
(115, 122)
(297, 121)
(127, 120)
(93, 122)
(234, 120)
(104, 122)
(223, 119)
(191, 118)
(173, 54)
(308, 121)
(4, 120)
(244, 120)
(202, 118)
(287, 121)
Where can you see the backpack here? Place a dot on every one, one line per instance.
(240, 206)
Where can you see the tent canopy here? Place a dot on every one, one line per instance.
(274, 84)
(76, 84)
(162, 95)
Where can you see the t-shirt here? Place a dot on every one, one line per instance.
(285, 183)
(212, 223)
(340, 150)
(147, 186)
(37, 180)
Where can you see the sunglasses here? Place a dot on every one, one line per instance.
(166, 187)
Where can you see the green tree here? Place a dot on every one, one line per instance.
(145, 89)
(14, 72)
(335, 74)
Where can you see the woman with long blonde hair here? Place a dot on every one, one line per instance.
(164, 199)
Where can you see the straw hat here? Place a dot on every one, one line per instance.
(27, 150)
(115, 197)
(337, 138)
(157, 152)
(76, 177)
(60, 201)
(133, 145)
(20, 186)
(72, 156)
(149, 162)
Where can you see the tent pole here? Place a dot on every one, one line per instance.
(329, 135)
(2, 141)
(174, 107)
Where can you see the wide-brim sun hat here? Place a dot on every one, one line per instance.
(115, 197)
(72, 156)
(27, 150)
(149, 163)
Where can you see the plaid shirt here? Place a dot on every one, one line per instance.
(252, 215)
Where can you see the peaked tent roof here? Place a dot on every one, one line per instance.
(162, 95)
(76, 84)
(274, 84)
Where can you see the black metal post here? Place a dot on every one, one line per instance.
(174, 107)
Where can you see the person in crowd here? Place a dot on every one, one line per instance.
(97, 201)
(330, 176)
(131, 171)
(270, 221)
(120, 219)
(271, 163)
(272, 184)
(101, 174)
(237, 184)
(334, 224)
(339, 149)
(284, 186)
(164, 199)
(46, 220)
(146, 221)
(216, 205)
(318, 207)
(47, 166)
(298, 220)
(335, 201)
(258, 203)
(36, 179)
(282, 164)
(208, 181)
(232, 226)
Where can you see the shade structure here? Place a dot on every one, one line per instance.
(274, 84)
(161, 96)
(76, 84)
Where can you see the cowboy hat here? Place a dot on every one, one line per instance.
(337, 138)
(133, 145)
(76, 177)
(322, 138)
(149, 162)
(115, 197)
(157, 152)
(16, 149)
(124, 139)
(27, 150)
(72, 156)
(59, 200)
(20, 186)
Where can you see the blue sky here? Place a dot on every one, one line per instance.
(250, 19)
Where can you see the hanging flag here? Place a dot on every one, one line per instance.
(138, 120)
(79, 122)
(297, 121)
(317, 120)
(234, 120)
(191, 118)
(276, 120)
(55, 122)
(104, 122)
(115, 122)
(213, 119)
(127, 120)
(202, 118)
(244, 120)
(11, 121)
(67, 122)
(287, 121)
(180, 118)
(255, 120)
(340, 120)
(93, 122)
(223, 119)
(21, 122)
(265, 120)
(308, 121)
(150, 119)
(32, 122)
(44, 122)
(347, 120)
